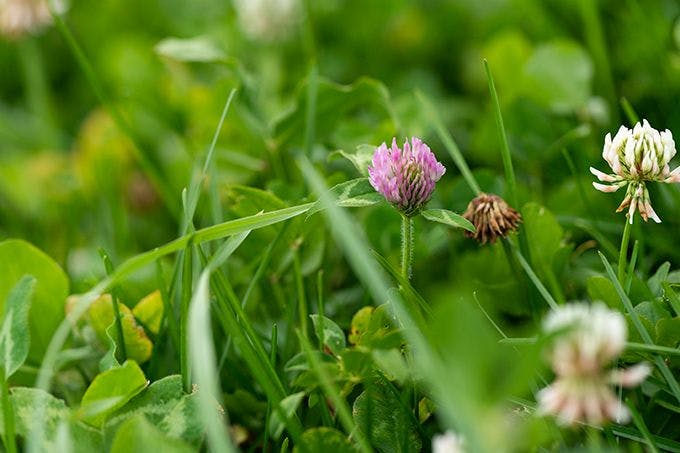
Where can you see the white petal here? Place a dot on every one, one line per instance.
(602, 176)
(605, 188)
(630, 377)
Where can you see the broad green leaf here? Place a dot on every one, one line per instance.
(165, 405)
(600, 288)
(382, 417)
(299, 361)
(357, 363)
(560, 75)
(200, 49)
(333, 336)
(392, 364)
(15, 334)
(360, 158)
(289, 405)
(668, 332)
(448, 218)
(354, 193)
(33, 405)
(327, 440)
(149, 311)
(656, 280)
(360, 323)
(138, 435)
(110, 391)
(100, 315)
(19, 258)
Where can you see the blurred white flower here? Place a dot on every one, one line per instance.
(268, 20)
(449, 442)
(21, 17)
(589, 338)
(635, 157)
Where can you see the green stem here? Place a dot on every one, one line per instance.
(449, 143)
(184, 312)
(406, 246)
(320, 308)
(8, 415)
(301, 298)
(510, 180)
(116, 309)
(623, 251)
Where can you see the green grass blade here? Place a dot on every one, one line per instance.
(646, 337)
(534, 278)
(342, 409)
(353, 243)
(448, 142)
(204, 367)
(510, 180)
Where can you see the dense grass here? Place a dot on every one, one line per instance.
(184, 206)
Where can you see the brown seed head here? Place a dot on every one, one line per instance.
(492, 217)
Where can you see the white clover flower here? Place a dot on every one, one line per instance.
(268, 20)
(589, 338)
(635, 157)
(449, 442)
(21, 17)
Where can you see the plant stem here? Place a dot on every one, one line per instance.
(108, 265)
(8, 415)
(623, 251)
(187, 281)
(406, 246)
(510, 180)
(301, 298)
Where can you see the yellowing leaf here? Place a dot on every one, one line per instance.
(149, 311)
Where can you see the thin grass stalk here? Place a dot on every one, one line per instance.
(449, 143)
(342, 409)
(9, 438)
(303, 311)
(646, 337)
(108, 266)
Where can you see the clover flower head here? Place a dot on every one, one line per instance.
(405, 177)
(449, 442)
(268, 20)
(589, 338)
(492, 218)
(635, 157)
(21, 17)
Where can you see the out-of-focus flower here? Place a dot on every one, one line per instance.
(268, 20)
(406, 178)
(635, 157)
(21, 17)
(449, 442)
(492, 218)
(589, 338)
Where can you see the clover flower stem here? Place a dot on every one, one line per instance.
(406, 246)
(8, 439)
(623, 251)
(302, 299)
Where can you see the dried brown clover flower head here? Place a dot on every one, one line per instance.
(492, 217)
